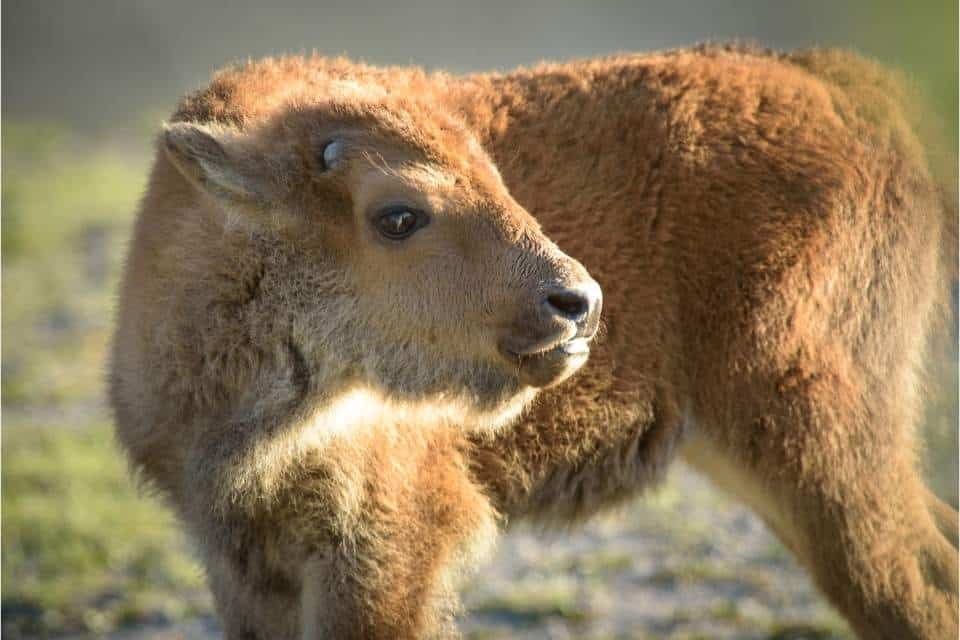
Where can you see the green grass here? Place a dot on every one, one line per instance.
(81, 549)
(67, 206)
(535, 602)
(600, 563)
(696, 571)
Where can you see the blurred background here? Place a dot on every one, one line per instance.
(85, 86)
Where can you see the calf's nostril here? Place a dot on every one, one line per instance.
(570, 304)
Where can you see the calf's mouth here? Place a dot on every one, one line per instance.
(552, 344)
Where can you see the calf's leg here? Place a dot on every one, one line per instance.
(835, 479)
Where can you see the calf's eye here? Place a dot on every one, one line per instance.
(399, 222)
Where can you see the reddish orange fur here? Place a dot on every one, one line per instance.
(773, 251)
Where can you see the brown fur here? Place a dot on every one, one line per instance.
(296, 384)
(773, 252)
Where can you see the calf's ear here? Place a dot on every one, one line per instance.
(220, 161)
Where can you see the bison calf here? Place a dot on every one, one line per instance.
(328, 286)
(334, 314)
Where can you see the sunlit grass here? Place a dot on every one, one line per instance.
(532, 603)
(56, 186)
(81, 548)
(67, 206)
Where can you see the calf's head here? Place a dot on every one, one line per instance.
(406, 265)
